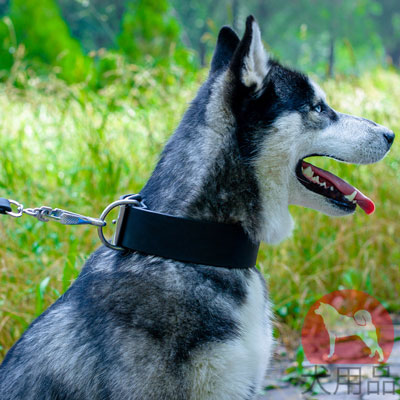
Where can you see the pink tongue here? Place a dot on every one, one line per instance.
(363, 201)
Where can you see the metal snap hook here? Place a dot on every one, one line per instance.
(20, 209)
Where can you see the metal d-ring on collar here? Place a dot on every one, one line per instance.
(104, 214)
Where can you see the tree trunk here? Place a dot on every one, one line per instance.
(394, 56)
(331, 56)
(262, 12)
(202, 53)
(235, 14)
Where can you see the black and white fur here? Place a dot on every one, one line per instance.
(146, 328)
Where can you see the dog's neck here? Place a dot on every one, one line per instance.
(202, 174)
(223, 192)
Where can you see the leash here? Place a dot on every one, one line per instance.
(149, 232)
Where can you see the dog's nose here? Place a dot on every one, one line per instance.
(389, 136)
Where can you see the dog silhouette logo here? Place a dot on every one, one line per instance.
(342, 326)
(347, 327)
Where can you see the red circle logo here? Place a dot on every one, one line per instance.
(347, 327)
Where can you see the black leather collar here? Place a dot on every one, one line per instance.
(183, 239)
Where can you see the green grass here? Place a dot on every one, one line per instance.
(64, 147)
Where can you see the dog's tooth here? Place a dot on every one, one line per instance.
(308, 172)
(332, 189)
(316, 179)
(351, 197)
(323, 184)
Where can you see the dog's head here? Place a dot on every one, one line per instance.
(282, 117)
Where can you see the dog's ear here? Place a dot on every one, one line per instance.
(226, 45)
(250, 61)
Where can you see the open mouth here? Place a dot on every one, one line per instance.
(335, 189)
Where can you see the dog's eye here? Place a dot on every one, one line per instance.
(318, 108)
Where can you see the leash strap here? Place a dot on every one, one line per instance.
(183, 239)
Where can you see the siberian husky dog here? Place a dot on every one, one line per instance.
(140, 327)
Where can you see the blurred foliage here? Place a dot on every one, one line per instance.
(329, 34)
(94, 23)
(84, 40)
(388, 22)
(151, 35)
(324, 36)
(8, 44)
(44, 34)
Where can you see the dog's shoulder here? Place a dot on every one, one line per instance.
(130, 281)
(164, 299)
(109, 271)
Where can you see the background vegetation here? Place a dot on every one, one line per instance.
(91, 89)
